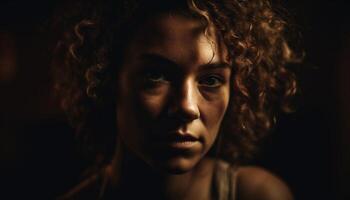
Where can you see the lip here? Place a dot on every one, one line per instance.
(182, 144)
(178, 136)
(178, 140)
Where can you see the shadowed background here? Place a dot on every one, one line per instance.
(309, 149)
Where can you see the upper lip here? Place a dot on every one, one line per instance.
(180, 136)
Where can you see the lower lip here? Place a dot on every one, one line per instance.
(182, 144)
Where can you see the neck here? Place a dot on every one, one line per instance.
(132, 175)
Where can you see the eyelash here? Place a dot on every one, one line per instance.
(219, 81)
(149, 77)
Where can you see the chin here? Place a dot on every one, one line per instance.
(179, 165)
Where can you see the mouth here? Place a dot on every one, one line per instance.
(179, 140)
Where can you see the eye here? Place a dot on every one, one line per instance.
(155, 77)
(211, 81)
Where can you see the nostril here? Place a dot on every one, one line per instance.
(189, 116)
(184, 113)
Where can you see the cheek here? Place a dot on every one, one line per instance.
(143, 108)
(151, 104)
(138, 102)
(214, 110)
(137, 115)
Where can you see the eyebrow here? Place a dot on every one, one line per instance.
(215, 65)
(156, 58)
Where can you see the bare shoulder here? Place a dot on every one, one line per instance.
(254, 183)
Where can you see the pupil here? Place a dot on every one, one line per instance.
(211, 81)
(155, 76)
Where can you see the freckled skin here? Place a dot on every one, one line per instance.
(185, 102)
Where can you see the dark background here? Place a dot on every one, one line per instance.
(309, 148)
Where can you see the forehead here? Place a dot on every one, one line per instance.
(184, 40)
(174, 25)
(170, 29)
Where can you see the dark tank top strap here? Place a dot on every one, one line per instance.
(232, 174)
(224, 182)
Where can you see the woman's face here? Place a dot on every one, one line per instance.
(173, 92)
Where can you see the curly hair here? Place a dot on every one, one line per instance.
(90, 50)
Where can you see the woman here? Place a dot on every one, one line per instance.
(170, 97)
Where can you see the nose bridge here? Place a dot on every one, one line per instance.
(186, 102)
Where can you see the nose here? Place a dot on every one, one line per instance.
(184, 104)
